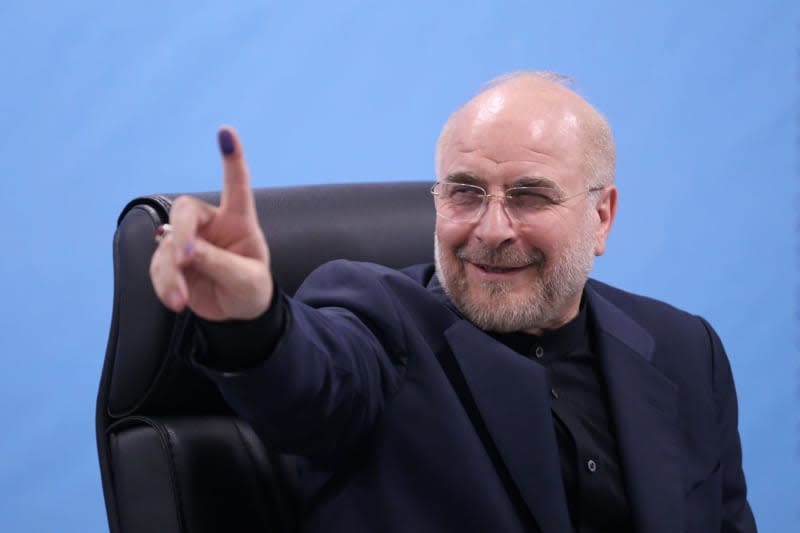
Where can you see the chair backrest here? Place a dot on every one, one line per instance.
(173, 457)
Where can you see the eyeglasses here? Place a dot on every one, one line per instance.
(459, 202)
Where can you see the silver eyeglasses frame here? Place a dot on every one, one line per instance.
(504, 199)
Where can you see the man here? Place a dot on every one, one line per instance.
(498, 391)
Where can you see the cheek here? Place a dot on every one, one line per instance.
(451, 236)
(544, 237)
(552, 235)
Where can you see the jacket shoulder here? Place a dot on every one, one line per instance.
(681, 340)
(638, 306)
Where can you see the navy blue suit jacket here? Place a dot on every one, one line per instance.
(355, 387)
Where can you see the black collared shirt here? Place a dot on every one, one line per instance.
(587, 442)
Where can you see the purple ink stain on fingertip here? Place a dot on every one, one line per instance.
(226, 145)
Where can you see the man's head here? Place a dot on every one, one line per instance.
(513, 273)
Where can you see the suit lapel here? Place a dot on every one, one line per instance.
(511, 395)
(644, 407)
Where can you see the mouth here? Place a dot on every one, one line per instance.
(495, 273)
(500, 265)
(498, 269)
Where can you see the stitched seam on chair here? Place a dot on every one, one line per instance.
(112, 474)
(173, 474)
(165, 438)
(139, 403)
(156, 218)
(111, 433)
(252, 455)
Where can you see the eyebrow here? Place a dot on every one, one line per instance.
(468, 178)
(536, 181)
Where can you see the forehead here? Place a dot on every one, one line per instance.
(508, 134)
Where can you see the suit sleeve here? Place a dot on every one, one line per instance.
(317, 389)
(737, 515)
(239, 345)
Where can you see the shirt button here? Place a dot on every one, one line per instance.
(554, 393)
(539, 352)
(591, 465)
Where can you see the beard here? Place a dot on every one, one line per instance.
(496, 305)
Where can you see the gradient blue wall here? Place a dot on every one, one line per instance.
(104, 101)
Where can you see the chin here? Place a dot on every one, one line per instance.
(498, 306)
(539, 301)
(502, 309)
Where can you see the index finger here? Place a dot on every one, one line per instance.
(237, 195)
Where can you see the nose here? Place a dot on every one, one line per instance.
(495, 227)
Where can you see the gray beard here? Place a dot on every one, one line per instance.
(502, 310)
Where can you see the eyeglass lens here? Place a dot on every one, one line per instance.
(462, 202)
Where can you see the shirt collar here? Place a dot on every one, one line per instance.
(571, 336)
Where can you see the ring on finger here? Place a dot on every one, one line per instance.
(162, 232)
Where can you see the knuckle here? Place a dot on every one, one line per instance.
(188, 211)
(182, 202)
(155, 262)
(159, 269)
(180, 206)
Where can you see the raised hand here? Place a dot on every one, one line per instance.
(215, 261)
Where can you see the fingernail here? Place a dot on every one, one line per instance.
(185, 252)
(188, 249)
(225, 140)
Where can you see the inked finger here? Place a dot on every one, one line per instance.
(237, 194)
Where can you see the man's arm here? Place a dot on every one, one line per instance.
(737, 515)
(310, 381)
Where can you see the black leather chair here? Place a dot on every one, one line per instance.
(173, 457)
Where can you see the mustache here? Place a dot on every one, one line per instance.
(502, 256)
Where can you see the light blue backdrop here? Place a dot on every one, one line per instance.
(104, 101)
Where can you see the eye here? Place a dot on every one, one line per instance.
(461, 188)
(460, 192)
(531, 197)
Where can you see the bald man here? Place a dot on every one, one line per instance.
(500, 389)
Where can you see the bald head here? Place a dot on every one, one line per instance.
(535, 106)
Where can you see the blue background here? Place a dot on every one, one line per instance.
(104, 101)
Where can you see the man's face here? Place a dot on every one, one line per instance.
(502, 274)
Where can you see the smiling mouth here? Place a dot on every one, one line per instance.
(499, 269)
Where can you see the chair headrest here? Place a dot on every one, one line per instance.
(387, 223)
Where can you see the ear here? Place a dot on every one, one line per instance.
(606, 208)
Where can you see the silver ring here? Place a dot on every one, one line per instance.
(162, 232)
